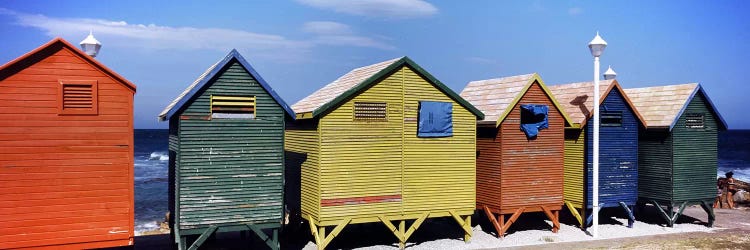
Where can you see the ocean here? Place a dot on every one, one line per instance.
(152, 159)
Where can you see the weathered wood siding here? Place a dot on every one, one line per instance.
(695, 155)
(381, 168)
(655, 165)
(531, 171)
(489, 157)
(573, 185)
(439, 173)
(618, 156)
(302, 186)
(66, 181)
(230, 170)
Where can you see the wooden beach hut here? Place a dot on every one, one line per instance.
(618, 148)
(226, 162)
(66, 151)
(519, 149)
(677, 150)
(384, 143)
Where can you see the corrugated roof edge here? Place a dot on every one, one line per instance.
(395, 65)
(78, 53)
(534, 78)
(234, 54)
(700, 89)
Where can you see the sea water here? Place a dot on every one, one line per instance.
(151, 162)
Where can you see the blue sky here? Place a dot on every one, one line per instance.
(299, 46)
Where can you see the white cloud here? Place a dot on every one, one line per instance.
(326, 28)
(575, 11)
(155, 37)
(377, 8)
(333, 33)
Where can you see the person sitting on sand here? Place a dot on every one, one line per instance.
(730, 189)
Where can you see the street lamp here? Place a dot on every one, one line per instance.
(596, 46)
(90, 45)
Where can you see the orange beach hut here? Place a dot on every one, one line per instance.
(66, 164)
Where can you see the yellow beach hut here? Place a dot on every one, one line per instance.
(383, 143)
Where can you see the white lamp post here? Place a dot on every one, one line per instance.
(596, 46)
(90, 45)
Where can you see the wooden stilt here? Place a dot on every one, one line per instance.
(498, 227)
(501, 232)
(553, 217)
(321, 239)
(204, 236)
(710, 211)
(464, 223)
(629, 212)
(574, 212)
(402, 233)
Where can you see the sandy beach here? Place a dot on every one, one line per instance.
(731, 231)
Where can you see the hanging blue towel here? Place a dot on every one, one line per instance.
(533, 119)
(435, 119)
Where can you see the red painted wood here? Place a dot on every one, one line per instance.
(518, 174)
(66, 181)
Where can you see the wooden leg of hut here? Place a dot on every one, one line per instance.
(710, 211)
(464, 223)
(679, 212)
(512, 219)
(553, 216)
(663, 213)
(501, 221)
(491, 217)
(182, 244)
(321, 239)
(204, 236)
(272, 241)
(629, 212)
(574, 212)
(401, 232)
(583, 215)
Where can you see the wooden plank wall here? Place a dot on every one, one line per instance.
(230, 170)
(655, 165)
(618, 156)
(575, 142)
(302, 174)
(532, 169)
(439, 173)
(361, 161)
(695, 155)
(64, 179)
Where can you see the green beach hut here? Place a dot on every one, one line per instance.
(226, 155)
(677, 149)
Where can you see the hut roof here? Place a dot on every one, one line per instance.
(661, 106)
(199, 84)
(23, 61)
(574, 97)
(360, 79)
(496, 97)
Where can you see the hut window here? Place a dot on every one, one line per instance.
(370, 111)
(435, 119)
(611, 119)
(232, 107)
(533, 119)
(77, 98)
(694, 120)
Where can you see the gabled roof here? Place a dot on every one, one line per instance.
(575, 98)
(497, 97)
(18, 62)
(359, 79)
(662, 106)
(199, 85)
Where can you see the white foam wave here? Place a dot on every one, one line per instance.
(161, 156)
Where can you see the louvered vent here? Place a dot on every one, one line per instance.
(370, 111)
(78, 97)
(233, 107)
(694, 120)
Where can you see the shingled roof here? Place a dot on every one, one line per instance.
(496, 97)
(361, 78)
(576, 99)
(661, 106)
(198, 85)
